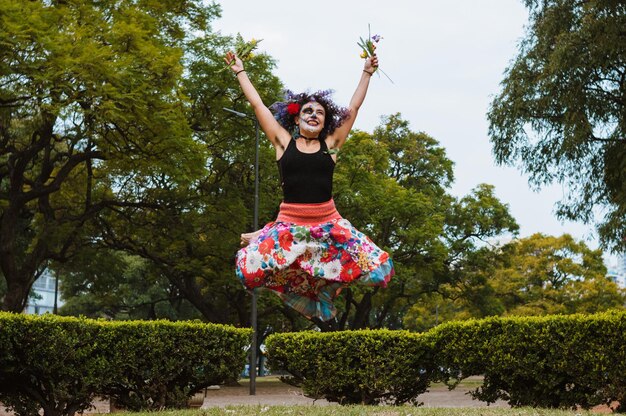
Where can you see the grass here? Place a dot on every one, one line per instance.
(333, 410)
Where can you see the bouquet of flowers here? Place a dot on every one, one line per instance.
(244, 50)
(368, 48)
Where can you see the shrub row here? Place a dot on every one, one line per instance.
(60, 364)
(367, 367)
(558, 361)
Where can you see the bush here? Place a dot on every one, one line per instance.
(367, 367)
(161, 364)
(60, 363)
(555, 361)
(49, 362)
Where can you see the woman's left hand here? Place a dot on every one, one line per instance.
(371, 64)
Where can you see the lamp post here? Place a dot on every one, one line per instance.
(56, 292)
(253, 312)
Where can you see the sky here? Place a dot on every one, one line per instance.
(446, 59)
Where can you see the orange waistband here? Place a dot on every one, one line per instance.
(308, 214)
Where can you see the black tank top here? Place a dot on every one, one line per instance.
(306, 178)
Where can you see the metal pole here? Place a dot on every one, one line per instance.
(253, 312)
(253, 318)
(256, 177)
(56, 292)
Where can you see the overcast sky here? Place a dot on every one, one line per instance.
(446, 58)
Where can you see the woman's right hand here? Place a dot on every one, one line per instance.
(233, 61)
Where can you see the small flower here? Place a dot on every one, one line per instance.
(293, 108)
(329, 254)
(280, 259)
(285, 239)
(317, 232)
(266, 246)
(349, 272)
(363, 261)
(376, 38)
(340, 234)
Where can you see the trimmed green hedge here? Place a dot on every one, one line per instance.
(555, 361)
(367, 367)
(162, 364)
(50, 363)
(60, 363)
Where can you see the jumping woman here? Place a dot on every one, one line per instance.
(310, 252)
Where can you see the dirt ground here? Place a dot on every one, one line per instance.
(271, 391)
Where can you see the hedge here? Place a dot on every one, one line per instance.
(162, 364)
(60, 364)
(556, 361)
(367, 367)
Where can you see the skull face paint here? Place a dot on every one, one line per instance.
(312, 118)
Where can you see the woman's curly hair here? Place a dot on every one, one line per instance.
(286, 111)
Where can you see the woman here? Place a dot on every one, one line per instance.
(310, 252)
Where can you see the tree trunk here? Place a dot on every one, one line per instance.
(16, 296)
(190, 290)
(362, 312)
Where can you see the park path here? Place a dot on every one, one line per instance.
(283, 394)
(270, 392)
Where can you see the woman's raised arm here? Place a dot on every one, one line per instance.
(276, 134)
(338, 138)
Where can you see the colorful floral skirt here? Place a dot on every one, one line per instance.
(308, 255)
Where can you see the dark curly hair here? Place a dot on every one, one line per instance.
(335, 115)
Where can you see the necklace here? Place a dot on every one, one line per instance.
(299, 136)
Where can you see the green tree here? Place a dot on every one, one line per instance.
(91, 111)
(561, 114)
(112, 284)
(392, 185)
(545, 275)
(463, 287)
(536, 275)
(433, 309)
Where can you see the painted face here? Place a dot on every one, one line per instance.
(312, 117)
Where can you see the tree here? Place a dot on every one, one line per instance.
(463, 287)
(536, 275)
(544, 275)
(561, 114)
(91, 111)
(392, 184)
(105, 283)
(192, 238)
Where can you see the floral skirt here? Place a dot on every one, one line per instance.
(308, 255)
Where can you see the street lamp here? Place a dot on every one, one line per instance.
(252, 363)
(56, 292)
